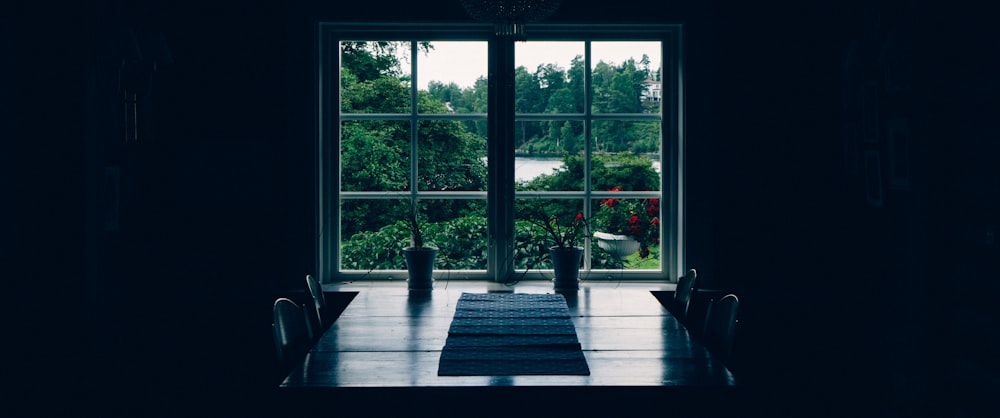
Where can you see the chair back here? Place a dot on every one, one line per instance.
(682, 296)
(720, 326)
(319, 301)
(292, 333)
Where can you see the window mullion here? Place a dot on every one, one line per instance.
(500, 154)
(414, 122)
(587, 149)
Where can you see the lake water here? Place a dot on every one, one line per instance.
(527, 168)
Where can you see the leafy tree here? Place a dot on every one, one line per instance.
(375, 154)
(576, 76)
(570, 139)
(626, 90)
(372, 151)
(449, 157)
(562, 101)
(528, 96)
(447, 93)
(551, 78)
(370, 60)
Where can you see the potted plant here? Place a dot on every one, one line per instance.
(419, 257)
(565, 254)
(627, 226)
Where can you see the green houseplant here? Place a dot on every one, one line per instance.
(565, 253)
(419, 257)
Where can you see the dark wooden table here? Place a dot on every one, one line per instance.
(391, 339)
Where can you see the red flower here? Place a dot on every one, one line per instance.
(635, 217)
(578, 217)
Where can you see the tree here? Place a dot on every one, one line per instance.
(570, 139)
(447, 93)
(449, 157)
(375, 154)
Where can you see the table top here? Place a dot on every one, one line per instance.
(390, 337)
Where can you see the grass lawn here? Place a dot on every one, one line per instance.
(652, 262)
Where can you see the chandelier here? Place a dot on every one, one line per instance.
(509, 16)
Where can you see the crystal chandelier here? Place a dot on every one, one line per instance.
(509, 16)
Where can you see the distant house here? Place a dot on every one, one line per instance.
(651, 91)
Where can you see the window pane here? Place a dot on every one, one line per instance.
(532, 240)
(548, 77)
(458, 228)
(626, 77)
(375, 156)
(626, 155)
(636, 224)
(391, 153)
(373, 234)
(450, 157)
(549, 156)
(375, 77)
(453, 75)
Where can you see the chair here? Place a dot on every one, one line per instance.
(292, 332)
(319, 303)
(720, 326)
(682, 295)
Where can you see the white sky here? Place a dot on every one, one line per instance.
(463, 62)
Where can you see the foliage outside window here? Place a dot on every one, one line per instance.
(376, 157)
(398, 144)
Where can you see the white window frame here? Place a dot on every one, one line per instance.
(500, 247)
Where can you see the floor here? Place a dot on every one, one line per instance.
(387, 342)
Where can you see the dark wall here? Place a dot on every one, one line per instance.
(128, 314)
(964, 181)
(44, 204)
(841, 299)
(7, 149)
(795, 238)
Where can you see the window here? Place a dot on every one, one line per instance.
(484, 135)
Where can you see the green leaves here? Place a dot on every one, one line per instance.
(461, 244)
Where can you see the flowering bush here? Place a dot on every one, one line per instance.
(637, 218)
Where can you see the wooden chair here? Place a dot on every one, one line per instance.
(720, 326)
(292, 332)
(319, 303)
(682, 295)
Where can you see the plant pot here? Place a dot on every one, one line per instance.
(420, 267)
(620, 246)
(566, 263)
